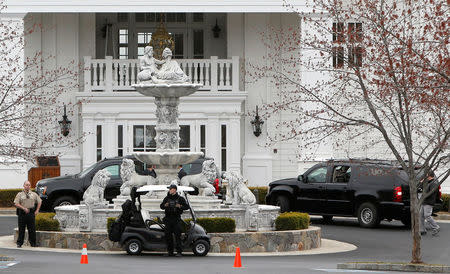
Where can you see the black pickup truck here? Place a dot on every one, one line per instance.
(371, 191)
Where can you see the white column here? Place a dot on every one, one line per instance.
(213, 139)
(109, 134)
(89, 145)
(234, 144)
(13, 174)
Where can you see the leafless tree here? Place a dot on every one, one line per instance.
(372, 69)
(30, 95)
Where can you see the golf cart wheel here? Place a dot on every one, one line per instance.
(133, 247)
(200, 248)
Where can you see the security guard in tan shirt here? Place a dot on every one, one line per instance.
(28, 204)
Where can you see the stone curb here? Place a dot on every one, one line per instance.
(8, 211)
(261, 241)
(443, 216)
(327, 247)
(406, 267)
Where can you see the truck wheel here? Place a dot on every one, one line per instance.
(283, 203)
(64, 200)
(133, 247)
(368, 215)
(200, 248)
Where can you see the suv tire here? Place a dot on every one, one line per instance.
(368, 215)
(64, 200)
(283, 202)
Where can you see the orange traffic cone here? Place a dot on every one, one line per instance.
(84, 257)
(237, 258)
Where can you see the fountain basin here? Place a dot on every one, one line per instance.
(247, 217)
(167, 158)
(167, 90)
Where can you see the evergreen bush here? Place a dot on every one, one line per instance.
(260, 193)
(446, 199)
(292, 221)
(46, 222)
(109, 222)
(7, 196)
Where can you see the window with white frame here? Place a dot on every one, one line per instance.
(203, 139)
(349, 34)
(144, 138)
(123, 43)
(135, 32)
(185, 138)
(120, 140)
(143, 40)
(223, 133)
(99, 143)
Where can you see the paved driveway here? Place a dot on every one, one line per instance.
(389, 242)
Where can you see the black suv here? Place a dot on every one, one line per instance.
(367, 189)
(69, 190)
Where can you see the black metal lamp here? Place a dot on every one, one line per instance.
(216, 30)
(256, 124)
(65, 123)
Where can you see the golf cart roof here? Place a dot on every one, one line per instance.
(163, 188)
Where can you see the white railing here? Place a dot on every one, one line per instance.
(118, 75)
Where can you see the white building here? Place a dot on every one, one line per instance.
(108, 36)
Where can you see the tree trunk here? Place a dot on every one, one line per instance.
(415, 230)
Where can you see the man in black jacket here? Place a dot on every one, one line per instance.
(426, 210)
(173, 205)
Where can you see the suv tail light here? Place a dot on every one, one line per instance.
(439, 193)
(398, 194)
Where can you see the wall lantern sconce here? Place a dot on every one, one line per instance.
(65, 123)
(256, 124)
(216, 30)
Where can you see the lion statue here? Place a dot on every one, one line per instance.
(237, 192)
(94, 193)
(203, 181)
(131, 179)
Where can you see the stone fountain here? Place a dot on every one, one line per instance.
(167, 85)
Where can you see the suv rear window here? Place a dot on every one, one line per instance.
(341, 174)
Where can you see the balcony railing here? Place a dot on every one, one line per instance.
(109, 75)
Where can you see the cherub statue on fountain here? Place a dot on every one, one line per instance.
(170, 71)
(147, 65)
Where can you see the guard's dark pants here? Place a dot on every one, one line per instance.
(27, 220)
(173, 226)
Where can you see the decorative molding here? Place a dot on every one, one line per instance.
(262, 6)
